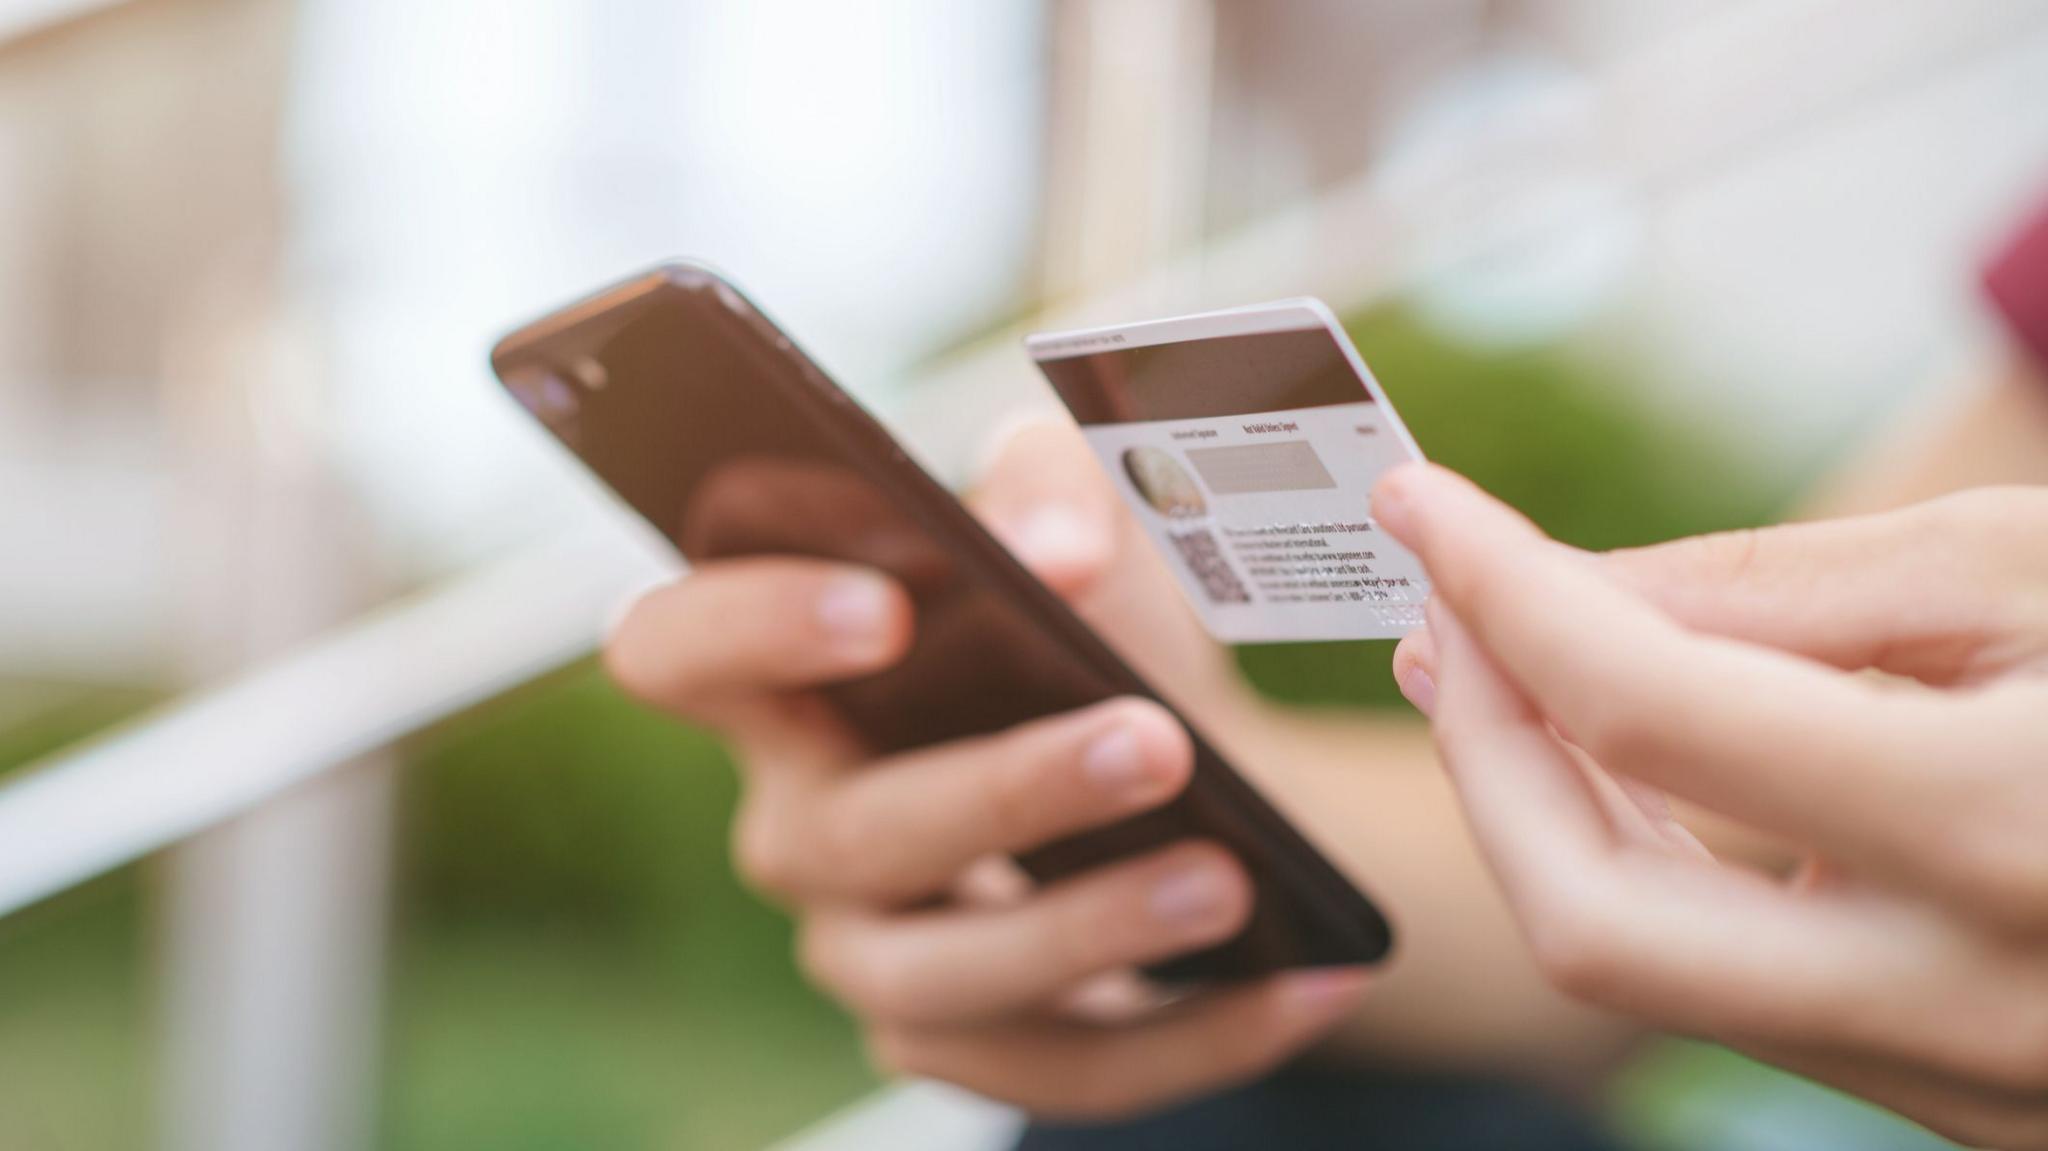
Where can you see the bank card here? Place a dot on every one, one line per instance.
(1247, 443)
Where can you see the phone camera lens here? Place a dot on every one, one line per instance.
(544, 393)
(590, 372)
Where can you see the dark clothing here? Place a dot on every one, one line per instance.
(1304, 1110)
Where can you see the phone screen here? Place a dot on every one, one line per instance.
(696, 410)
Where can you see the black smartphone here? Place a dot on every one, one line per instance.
(705, 418)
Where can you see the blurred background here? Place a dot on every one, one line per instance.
(320, 828)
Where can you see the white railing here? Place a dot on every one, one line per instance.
(202, 760)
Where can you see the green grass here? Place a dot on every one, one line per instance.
(75, 1058)
(510, 1038)
(578, 966)
(76, 1066)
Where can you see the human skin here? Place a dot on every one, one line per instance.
(741, 645)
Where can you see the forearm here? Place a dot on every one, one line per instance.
(1461, 992)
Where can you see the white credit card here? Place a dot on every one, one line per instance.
(1247, 442)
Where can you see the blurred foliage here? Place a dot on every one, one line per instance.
(43, 719)
(567, 805)
(75, 1066)
(575, 965)
(1682, 1095)
(578, 966)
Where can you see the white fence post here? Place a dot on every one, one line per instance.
(274, 946)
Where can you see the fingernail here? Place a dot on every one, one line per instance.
(853, 610)
(1325, 990)
(1058, 536)
(1418, 688)
(1194, 895)
(1115, 761)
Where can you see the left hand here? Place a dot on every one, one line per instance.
(952, 963)
(1908, 961)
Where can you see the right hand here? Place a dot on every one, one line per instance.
(1025, 995)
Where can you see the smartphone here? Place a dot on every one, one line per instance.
(709, 421)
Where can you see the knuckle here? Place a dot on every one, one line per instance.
(762, 853)
(1620, 730)
(1728, 557)
(851, 968)
(864, 976)
(1571, 950)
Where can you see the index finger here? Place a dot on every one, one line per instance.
(1756, 734)
(748, 626)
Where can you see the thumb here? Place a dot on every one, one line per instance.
(1048, 498)
(1044, 495)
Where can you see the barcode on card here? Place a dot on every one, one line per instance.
(1204, 557)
